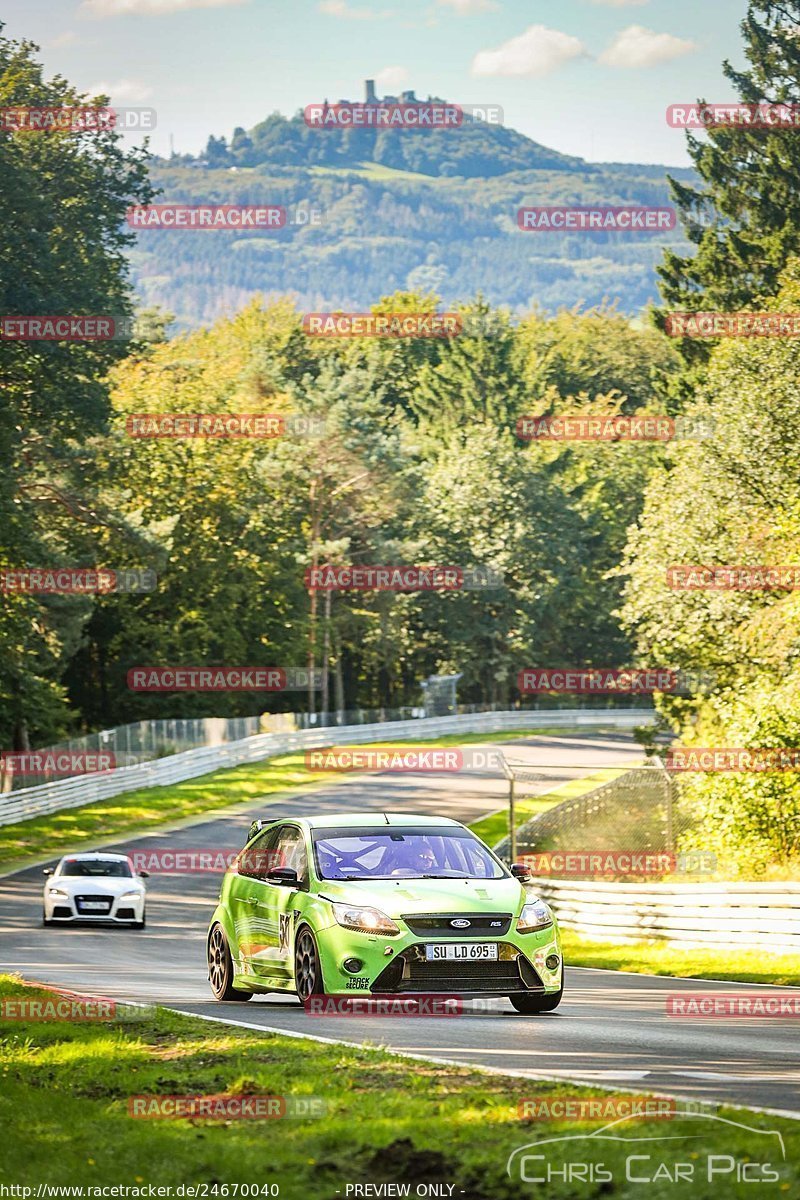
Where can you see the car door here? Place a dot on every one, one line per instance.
(276, 911)
(246, 895)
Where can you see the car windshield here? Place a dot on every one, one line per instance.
(96, 866)
(387, 853)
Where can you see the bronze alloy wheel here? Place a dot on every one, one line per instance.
(220, 967)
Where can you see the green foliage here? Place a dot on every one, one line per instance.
(62, 244)
(745, 218)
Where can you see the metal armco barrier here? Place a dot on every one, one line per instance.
(86, 789)
(766, 915)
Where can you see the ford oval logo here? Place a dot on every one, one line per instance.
(460, 924)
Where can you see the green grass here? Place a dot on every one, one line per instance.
(66, 1086)
(493, 827)
(662, 958)
(147, 808)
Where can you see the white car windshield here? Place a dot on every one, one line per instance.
(90, 867)
(387, 853)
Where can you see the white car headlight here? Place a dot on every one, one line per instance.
(535, 915)
(54, 891)
(130, 895)
(365, 920)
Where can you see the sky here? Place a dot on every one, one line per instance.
(585, 77)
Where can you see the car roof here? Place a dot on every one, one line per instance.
(93, 855)
(373, 819)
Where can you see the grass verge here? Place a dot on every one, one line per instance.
(662, 958)
(64, 1107)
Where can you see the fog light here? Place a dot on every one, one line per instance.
(551, 962)
(352, 965)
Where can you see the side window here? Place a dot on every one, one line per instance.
(290, 851)
(256, 860)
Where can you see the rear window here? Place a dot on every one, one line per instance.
(96, 867)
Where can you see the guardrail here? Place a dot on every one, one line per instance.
(765, 915)
(31, 802)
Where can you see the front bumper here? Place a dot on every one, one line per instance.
(396, 965)
(117, 910)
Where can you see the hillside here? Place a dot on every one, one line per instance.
(434, 210)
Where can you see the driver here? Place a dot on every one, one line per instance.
(419, 861)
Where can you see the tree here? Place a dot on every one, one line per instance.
(62, 242)
(745, 219)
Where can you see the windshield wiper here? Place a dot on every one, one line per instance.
(447, 876)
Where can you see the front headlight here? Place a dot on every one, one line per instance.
(130, 895)
(365, 920)
(57, 892)
(535, 915)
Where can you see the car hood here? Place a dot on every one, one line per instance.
(98, 885)
(398, 897)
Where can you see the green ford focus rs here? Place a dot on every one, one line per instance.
(369, 904)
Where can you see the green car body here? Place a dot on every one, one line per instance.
(344, 905)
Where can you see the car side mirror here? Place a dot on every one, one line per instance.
(520, 871)
(47, 871)
(144, 874)
(285, 876)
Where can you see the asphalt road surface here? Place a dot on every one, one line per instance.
(611, 1028)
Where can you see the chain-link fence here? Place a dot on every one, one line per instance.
(637, 811)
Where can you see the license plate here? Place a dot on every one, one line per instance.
(97, 904)
(462, 951)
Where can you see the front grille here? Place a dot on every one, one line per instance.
(125, 914)
(81, 903)
(440, 924)
(62, 910)
(510, 972)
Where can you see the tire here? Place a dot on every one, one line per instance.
(307, 967)
(220, 967)
(140, 924)
(45, 921)
(532, 1005)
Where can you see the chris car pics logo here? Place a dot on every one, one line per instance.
(684, 1159)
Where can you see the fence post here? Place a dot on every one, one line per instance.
(670, 811)
(512, 821)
